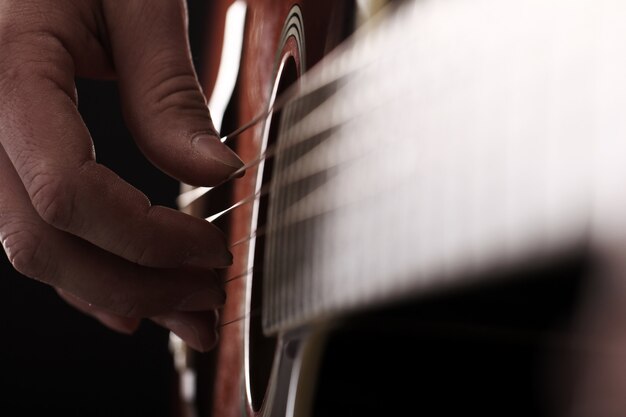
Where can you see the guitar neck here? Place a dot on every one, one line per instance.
(444, 140)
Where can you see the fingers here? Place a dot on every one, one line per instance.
(164, 106)
(52, 151)
(70, 222)
(116, 285)
(126, 325)
(197, 329)
(72, 25)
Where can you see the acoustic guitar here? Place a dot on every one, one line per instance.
(425, 183)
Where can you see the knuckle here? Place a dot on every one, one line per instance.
(27, 17)
(14, 77)
(31, 50)
(35, 45)
(18, 20)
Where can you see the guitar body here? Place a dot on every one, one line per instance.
(414, 223)
(374, 363)
(280, 40)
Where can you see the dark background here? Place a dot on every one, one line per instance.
(57, 361)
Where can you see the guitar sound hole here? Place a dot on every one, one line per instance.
(262, 348)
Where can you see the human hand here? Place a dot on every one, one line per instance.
(72, 223)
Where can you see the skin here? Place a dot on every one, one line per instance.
(70, 222)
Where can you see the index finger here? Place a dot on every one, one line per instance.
(50, 147)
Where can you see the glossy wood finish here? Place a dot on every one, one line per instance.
(261, 53)
(258, 76)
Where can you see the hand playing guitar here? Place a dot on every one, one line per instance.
(72, 223)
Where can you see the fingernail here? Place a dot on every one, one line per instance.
(193, 336)
(206, 299)
(216, 150)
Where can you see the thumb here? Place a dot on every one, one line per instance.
(162, 100)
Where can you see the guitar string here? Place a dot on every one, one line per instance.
(269, 153)
(239, 276)
(273, 150)
(292, 179)
(262, 231)
(266, 188)
(301, 92)
(252, 313)
(243, 202)
(287, 180)
(259, 231)
(189, 197)
(278, 104)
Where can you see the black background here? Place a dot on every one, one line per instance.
(57, 361)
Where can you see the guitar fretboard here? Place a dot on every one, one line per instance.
(443, 141)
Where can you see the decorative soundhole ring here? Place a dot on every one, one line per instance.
(259, 389)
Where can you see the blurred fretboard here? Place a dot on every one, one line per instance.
(446, 139)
